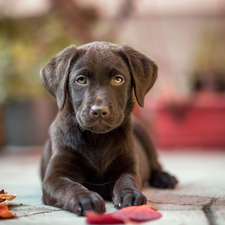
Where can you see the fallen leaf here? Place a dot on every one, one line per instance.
(132, 213)
(97, 218)
(4, 211)
(5, 196)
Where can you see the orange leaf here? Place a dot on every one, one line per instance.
(4, 211)
(6, 196)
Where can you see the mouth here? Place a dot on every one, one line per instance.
(98, 126)
(100, 129)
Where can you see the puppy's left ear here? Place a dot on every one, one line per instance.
(143, 71)
(54, 75)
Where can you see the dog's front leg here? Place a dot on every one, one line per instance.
(127, 192)
(61, 189)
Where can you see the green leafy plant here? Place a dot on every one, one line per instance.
(26, 45)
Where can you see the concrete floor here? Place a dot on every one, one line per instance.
(198, 199)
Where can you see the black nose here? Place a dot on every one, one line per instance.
(99, 111)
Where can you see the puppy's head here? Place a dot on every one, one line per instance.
(98, 78)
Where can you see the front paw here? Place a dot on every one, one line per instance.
(128, 197)
(163, 180)
(84, 202)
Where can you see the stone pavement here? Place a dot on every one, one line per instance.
(198, 199)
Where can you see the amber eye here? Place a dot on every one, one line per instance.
(117, 80)
(81, 80)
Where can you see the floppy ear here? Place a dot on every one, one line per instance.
(54, 75)
(143, 71)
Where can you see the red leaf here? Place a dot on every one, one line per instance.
(132, 213)
(97, 218)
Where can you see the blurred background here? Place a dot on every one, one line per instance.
(186, 107)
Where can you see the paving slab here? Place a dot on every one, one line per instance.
(172, 198)
(200, 173)
(53, 218)
(217, 212)
(198, 199)
(217, 215)
(174, 207)
(196, 217)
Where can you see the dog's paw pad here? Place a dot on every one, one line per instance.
(163, 180)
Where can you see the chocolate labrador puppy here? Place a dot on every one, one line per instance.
(94, 150)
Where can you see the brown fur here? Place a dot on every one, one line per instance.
(90, 154)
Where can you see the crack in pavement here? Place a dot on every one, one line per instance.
(43, 212)
(171, 203)
(209, 212)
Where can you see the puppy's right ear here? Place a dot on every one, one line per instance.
(54, 75)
